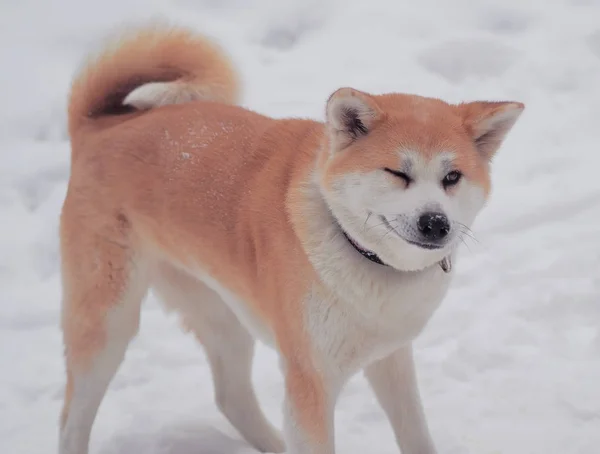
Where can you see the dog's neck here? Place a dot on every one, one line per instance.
(445, 263)
(372, 256)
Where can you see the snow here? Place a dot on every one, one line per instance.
(509, 364)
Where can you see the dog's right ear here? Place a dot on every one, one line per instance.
(350, 115)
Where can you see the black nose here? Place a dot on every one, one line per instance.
(433, 226)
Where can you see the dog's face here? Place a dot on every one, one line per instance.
(406, 176)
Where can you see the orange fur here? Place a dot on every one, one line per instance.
(218, 191)
(151, 54)
(425, 125)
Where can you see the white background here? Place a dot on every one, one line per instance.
(511, 362)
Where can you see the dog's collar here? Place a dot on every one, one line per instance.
(445, 263)
(364, 252)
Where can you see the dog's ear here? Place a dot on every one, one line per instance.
(488, 123)
(350, 115)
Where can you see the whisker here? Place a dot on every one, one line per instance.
(468, 232)
(465, 227)
(385, 234)
(379, 225)
(472, 238)
(367, 219)
(465, 243)
(389, 230)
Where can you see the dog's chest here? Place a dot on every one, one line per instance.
(354, 333)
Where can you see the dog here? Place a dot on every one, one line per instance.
(332, 242)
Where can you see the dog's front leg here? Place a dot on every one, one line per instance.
(394, 382)
(308, 410)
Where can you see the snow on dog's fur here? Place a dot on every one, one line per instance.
(331, 242)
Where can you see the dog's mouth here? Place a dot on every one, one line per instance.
(445, 263)
(429, 246)
(421, 244)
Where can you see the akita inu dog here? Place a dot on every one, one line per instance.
(330, 241)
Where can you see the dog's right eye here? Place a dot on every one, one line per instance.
(397, 173)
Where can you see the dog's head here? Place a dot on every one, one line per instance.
(405, 176)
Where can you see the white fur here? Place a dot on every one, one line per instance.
(394, 381)
(368, 314)
(344, 106)
(339, 103)
(359, 201)
(251, 321)
(502, 121)
(89, 386)
(366, 298)
(157, 94)
(229, 348)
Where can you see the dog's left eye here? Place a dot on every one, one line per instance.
(451, 178)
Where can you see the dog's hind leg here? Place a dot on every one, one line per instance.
(229, 348)
(103, 286)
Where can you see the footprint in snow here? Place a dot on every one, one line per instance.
(505, 20)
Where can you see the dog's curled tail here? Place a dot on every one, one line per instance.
(149, 67)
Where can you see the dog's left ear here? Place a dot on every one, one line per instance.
(350, 114)
(488, 123)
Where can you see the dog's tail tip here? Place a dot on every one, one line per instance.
(151, 66)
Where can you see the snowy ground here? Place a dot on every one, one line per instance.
(509, 365)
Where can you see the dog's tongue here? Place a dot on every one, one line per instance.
(446, 264)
